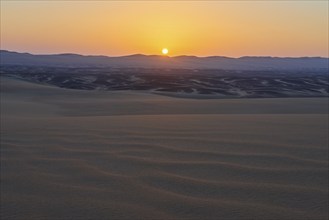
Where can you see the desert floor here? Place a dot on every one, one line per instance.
(70, 154)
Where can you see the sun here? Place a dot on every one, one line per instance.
(165, 51)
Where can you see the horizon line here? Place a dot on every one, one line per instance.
(160, 55)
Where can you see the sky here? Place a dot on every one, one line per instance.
(200, 28)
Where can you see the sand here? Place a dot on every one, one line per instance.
(69, 154)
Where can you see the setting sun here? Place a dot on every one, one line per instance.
(165, 51)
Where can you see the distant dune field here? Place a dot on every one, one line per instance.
(74, 154)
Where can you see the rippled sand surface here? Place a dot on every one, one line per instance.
(68, 154)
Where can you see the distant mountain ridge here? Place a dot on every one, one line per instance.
(157, 61)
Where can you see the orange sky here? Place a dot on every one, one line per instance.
(202, 28)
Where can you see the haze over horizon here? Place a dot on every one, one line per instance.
(231, 29)
(157, 61)
(170, 56)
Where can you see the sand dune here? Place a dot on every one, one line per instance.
(68, 154)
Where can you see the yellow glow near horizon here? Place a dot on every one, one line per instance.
(201, 28)
(165, 51)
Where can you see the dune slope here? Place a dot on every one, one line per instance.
(68, 154)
